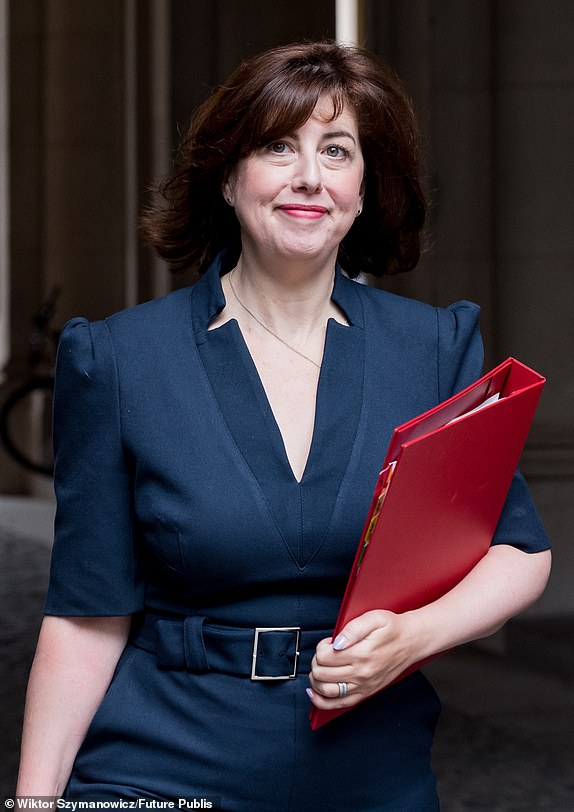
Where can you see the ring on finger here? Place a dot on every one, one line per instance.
(343, 689)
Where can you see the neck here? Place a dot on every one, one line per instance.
(291, 298)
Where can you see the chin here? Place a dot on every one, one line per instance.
(306, 250)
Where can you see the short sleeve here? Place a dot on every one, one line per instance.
(460, 363)
(519, 524)
(94, 568)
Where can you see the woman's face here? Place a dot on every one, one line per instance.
(298, 197)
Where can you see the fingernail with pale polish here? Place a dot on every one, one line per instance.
(339, 642)
(309, 693)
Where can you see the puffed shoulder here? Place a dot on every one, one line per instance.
(84, 347)
(460, 356)
(86, 381)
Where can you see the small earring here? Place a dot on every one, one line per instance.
(359, 210)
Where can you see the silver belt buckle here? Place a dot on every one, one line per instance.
(259, 630)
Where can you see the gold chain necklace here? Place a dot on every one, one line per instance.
(265, 327)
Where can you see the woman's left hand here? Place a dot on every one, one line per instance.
(371, 651)
(376, 647)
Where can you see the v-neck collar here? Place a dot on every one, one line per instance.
(302, 509)
(209, 300)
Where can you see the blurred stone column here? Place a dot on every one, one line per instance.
(25, 131)
(84, 189)
(462, 157)
(442, 50)
(67, 172)
(4, 196)
(89, 130)
(535, 248)
(400, 32)
(149, 122)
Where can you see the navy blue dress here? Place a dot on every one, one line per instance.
(177, 504)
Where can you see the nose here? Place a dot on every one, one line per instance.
(307, 176)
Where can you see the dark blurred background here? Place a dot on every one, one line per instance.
(92, 98)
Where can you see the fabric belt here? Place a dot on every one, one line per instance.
(264, 653)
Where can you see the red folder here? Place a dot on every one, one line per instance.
(439, 496)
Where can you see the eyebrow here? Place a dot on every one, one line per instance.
(326, 136)
(340, 134)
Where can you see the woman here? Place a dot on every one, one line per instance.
(216, 454)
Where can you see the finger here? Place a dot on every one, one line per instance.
(326, 656)
(331, 690)
(326, 689)
(333, 674)
(327, 703)
(360, 627)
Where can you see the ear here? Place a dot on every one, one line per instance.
(361, 199)
(227, 190)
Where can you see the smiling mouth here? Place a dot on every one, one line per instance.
(300, 210)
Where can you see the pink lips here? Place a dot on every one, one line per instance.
(300, 210)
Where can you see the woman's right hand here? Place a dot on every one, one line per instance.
(73, 666)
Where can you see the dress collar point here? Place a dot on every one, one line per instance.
(346, 296)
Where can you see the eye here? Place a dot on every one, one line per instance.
(336, 151)
(278, 148)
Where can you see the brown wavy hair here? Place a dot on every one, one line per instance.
(268, 96)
